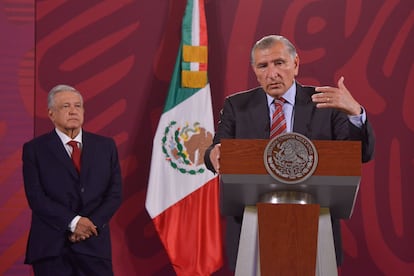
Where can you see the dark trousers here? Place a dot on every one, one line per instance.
(73, 264)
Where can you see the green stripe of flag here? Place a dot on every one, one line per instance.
(187, 24)
(176, 93)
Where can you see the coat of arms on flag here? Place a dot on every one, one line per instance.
(184, 146)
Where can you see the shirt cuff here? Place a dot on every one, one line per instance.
(360, 119)
(73, 223)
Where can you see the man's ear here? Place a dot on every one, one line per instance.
(296, 62)
(50, 114)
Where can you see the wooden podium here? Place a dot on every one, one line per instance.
(293, 238)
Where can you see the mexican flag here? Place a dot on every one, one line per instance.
(182, 197)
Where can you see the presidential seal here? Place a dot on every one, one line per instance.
(290, 158)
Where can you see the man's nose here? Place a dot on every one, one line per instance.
(72, 109)
(272, 72)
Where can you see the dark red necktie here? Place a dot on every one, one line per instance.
(76, 154)
(278, 119)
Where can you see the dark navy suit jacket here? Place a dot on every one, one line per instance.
(245, 115)
(56, 193)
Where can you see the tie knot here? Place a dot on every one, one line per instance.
(279, 101)
(73, 143)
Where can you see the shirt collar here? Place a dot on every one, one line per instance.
(65, 139)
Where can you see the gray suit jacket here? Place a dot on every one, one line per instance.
(245, 115)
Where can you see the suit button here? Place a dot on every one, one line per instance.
(82, 190)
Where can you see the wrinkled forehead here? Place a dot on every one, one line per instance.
(276, 52)
(66, 97)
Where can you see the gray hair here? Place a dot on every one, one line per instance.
(270, 40)
(57, 89)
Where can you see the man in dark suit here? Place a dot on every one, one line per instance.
(319, 113)
(71, 209)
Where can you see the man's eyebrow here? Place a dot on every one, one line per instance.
(262, 63)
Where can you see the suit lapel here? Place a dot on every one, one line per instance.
(58, 149)
(304, 109)
(88, 150)
(260, 116)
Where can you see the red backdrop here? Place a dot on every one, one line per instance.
(120, 55)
